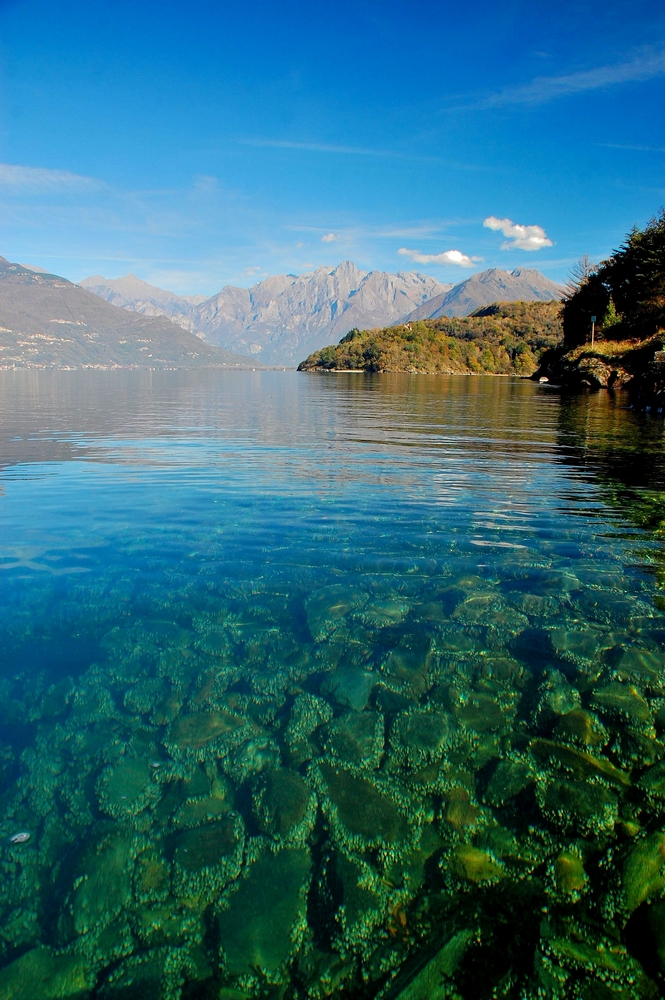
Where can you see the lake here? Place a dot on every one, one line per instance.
(313, 686)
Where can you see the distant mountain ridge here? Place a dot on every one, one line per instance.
(138, 296)
(49, 322)
(283, 318)
(286, 317)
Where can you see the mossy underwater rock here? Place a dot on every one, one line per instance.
(474, 865)
(104, 887)
(419, 736)
(361, 815)
(356, 738)
(41, 975)
(285, 805)
(256, 930)
(350, 688)
(327, 608)
(127, 787)
(569, 874)
(201, 733)
(643, 874)
(579, 806)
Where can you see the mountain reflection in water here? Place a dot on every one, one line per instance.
(317, 686)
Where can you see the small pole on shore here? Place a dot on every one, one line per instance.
(593, 329)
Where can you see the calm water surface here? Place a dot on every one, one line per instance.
(347, 686)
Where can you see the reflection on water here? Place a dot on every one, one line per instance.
(345, 686)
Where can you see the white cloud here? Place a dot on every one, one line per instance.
(40, 179)
(519, 237)
(449, 257)
(329, 238)
(647, 65)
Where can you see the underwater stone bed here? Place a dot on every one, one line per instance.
(400, 786)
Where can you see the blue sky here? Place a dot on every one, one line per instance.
(201, 144)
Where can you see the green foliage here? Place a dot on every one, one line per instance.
(626, 293)
(506, 338)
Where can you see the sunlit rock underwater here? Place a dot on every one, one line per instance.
(360, 697)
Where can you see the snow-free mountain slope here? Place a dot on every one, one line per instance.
(284, 318)
(524, 284)
(48, 322)
(138, 296)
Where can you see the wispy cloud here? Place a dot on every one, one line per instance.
(342, 150)
(638, 149)
(324, 147)
(41, 180)
(448, 257)
(329, 238)
(519, 237)
(645, 66)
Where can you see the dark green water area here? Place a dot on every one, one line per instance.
(347, 686)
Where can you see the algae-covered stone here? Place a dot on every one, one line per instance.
(623, 700)
(255, 931)
(419, 736)
(576, 646)
(569, 873)
(653, 780)
(362, 900)
(41, 975)
(307, 714)
(644, 871)
(104, 885)
(193, 732)
(579, 762)
(285, 804)
(208, 845)
(127, 787)
(582, 727)
(364, 812)
(356, 738)
(327, 608)
(580, 806)
(460, 812)
(193, 812)
(429, 984)
(384, 612)
(156, 973)
(645, 665)
(350, 688)
(480, 712)
(475, 865)
(510, 777)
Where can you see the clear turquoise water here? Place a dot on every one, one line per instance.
(329, 686)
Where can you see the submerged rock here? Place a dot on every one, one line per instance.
(193, 732)
(644, 871)
(256, 930)
(327, 608)
(569, 873)
(285, 804)
(475, 865)
(41, 975)
(430, 983)
(511, 776)
(418, 737)
(104, 887)
(359, 810)
(356, 738)
(350, 688)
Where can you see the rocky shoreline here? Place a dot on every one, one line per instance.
(638, 366)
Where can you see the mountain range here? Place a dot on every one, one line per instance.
(49, 322)
(282, 319)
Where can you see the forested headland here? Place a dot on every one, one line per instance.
(506, 338)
